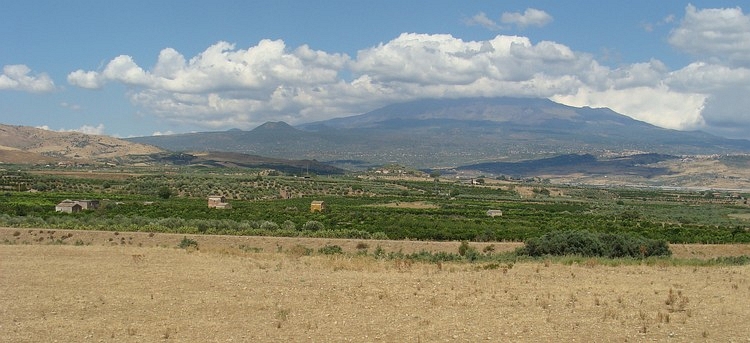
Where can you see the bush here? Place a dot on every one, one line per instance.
(379, 235)
(313, 225)
(187, 243)
(468, 252)
(589, 244)
(269, 225)
(331, 250)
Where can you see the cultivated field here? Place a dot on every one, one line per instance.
(251, 289)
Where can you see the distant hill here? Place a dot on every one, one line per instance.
(24, 144)
(641, 165)
(454, 132)
(238, 160)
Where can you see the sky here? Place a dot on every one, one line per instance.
(140, 68)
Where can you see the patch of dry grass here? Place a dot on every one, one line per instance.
(144, 294)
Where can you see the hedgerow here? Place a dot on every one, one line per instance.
(594, 244)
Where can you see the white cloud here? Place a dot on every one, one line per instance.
(74, 107)
(481, 19)
(18, 77)
(227, 87)
(87, 129)
(707, 78)
(656, 105)
(719, 35)
(530, 17)
(165, 133)
(85, 79)
(649, 27)
(726, 112)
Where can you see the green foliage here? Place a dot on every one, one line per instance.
(742, 260)
(362, 208)
(163, 192)
(591, 244)
(330, 250)
(186, 243)
(313, 225)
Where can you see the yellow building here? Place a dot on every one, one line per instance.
(317, 206)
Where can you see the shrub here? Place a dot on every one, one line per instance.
(269, 225)
(313, 225)
(187, 243)
(467, 251)
(331, 250)
(288, 225)
(300, 250)
(379, 235)
(589, 244)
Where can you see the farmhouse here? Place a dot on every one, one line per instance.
(217, 201)
(317, 206)
(495, 213)
(68, 206)
(88, 204)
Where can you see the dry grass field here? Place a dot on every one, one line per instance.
(134, 291)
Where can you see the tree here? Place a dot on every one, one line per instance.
(164, 192)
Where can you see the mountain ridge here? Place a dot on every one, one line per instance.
(453, 132)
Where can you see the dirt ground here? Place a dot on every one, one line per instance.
(126, 293)
(236, 244)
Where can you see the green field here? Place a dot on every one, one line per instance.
(362, 206)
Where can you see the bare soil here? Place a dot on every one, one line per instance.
(123, 292)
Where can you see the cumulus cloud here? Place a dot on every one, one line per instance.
(726, 113)
(530, 17)
(719, 35)
(226, 86)
(87, 129)
(720, 39)
(18, 77)
(657, 105)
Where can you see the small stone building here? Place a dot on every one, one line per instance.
(88, 204)
(217, 201)
(68, 206)
(495, 213)
(318, 206)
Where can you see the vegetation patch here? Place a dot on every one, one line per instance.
(186, 243)
(594, 244)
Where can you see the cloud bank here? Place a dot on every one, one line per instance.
(228, 86)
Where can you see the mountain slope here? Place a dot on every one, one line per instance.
(24, 144)
(238, 160)
(453, 132)
(640, 164)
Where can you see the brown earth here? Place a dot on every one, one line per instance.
(126, 293)
(234, 244)
(39, 145)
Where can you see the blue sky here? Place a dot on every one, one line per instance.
(139, 68)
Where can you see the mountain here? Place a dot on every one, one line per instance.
(453, 132)
(24, 144)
